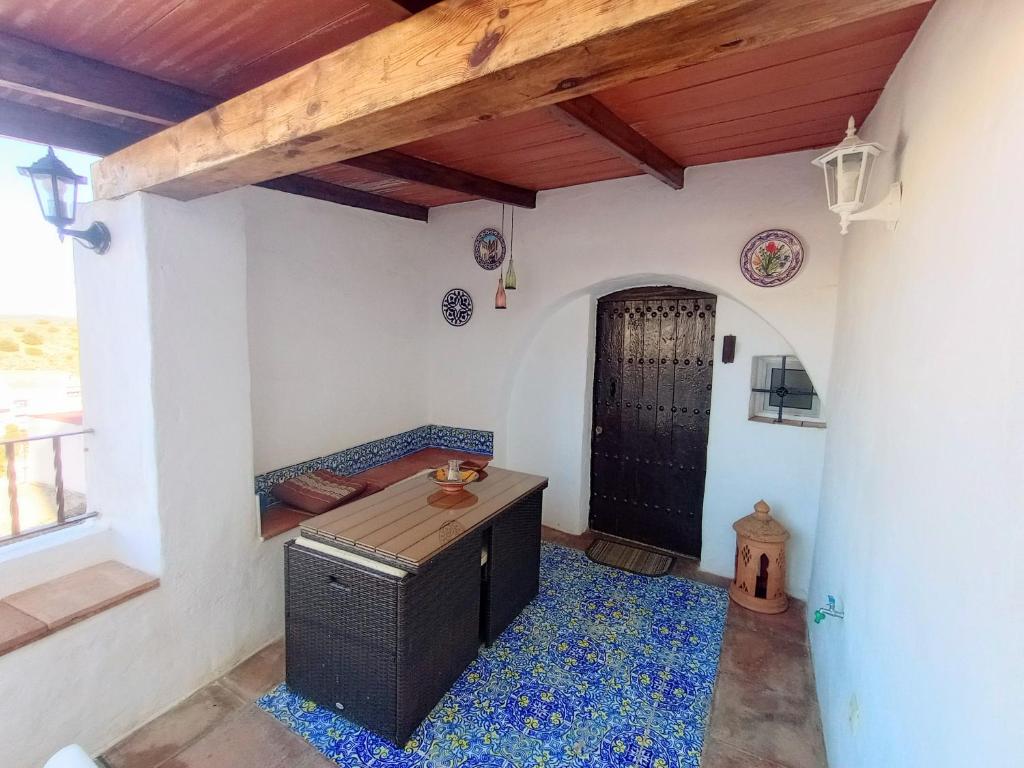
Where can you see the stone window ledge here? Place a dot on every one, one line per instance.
(789, 422)
(42, 610)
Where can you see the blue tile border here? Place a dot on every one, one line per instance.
(360, 458)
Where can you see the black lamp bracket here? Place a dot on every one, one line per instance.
(96, 237)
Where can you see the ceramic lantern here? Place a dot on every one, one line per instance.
(760, 581)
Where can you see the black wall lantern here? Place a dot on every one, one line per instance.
(56, 188)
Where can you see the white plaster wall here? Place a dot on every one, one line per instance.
(549, 414)
(116, 347)
(549, 423)
(749, 460)
(527, 370)
(166, 380)
(336, 313)
(920, 528)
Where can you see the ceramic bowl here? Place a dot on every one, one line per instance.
(440, 475)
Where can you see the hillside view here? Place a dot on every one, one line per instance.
(38, 344)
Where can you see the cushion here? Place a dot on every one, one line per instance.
(318, 491)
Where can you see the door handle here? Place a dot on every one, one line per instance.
(598, 430)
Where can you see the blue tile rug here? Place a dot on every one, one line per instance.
(603, 668)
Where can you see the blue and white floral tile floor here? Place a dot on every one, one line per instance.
(603, 668)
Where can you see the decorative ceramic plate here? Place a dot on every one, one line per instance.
(489, 249)
(457, 307)
(772, 257)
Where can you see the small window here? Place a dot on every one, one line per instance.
(782, 393)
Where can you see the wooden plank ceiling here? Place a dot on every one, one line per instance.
(772, 99)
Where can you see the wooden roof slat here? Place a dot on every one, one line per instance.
(872, 80)
(450, 67)
(873, 55)
(840, 108)
(794, 144)
(804, 47)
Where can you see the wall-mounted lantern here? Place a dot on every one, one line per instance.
(847, 173)
(56, 188)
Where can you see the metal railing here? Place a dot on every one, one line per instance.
(63, 518)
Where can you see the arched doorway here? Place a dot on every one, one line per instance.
(651, 410)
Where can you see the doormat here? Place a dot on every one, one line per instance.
(627, 558)
(603, 669)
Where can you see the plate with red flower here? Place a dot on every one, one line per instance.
(772, 257)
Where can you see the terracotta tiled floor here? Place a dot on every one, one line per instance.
(765, 712)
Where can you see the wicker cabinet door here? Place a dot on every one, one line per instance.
(513, 568)
(652, 405)
(341, 638)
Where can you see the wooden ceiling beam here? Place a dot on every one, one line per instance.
(595, 119)
(354, 198)
(461, 62)
(400, 166)
(30, 123)
(74, 80)
(136, 106)
(79, 91)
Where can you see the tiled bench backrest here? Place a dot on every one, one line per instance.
(352, 461)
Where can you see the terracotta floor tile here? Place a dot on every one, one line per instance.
(175, 730)
(249, 739)
(81, 594)
(775, 726)
(257, 674)
(690, 569)
(17, 628)
(772, 660)
(580, 542)
(789, 624)
(718, 754)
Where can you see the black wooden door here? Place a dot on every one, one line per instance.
(652, 404)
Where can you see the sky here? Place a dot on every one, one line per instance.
(36, 270)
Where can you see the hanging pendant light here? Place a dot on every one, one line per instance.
(510, 273)
(499, 297)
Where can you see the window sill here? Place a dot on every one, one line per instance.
(34, 613)
(789, 422)
(86, 529)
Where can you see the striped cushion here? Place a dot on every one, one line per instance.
(318, 491)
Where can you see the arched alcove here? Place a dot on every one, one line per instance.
(548, 412)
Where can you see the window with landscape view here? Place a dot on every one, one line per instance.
(42, 474)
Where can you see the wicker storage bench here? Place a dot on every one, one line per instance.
(381, 644)
(368, 644)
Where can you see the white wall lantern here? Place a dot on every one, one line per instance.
(847, 173)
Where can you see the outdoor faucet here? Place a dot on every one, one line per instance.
(827, 610)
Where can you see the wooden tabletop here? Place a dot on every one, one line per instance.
(410, 522)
